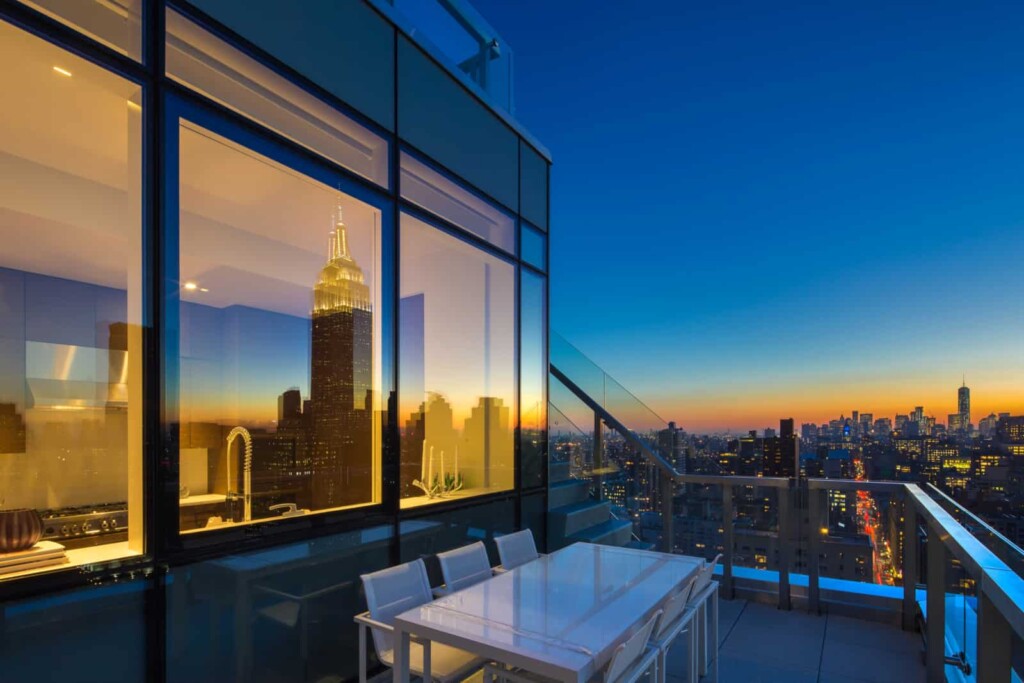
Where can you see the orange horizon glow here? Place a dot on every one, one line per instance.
(756, 410)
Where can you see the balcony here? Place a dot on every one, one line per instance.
(759, 642)
(822, 579)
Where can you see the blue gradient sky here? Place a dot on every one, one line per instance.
(767, 210)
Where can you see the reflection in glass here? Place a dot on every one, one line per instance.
(457, 367)
(226, 75)
(291, 606)
(280, 344)
(533, 375)
(115, 23)
(70, 298)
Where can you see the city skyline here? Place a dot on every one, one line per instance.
(809, 408)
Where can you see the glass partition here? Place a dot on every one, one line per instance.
(457, 393)
(280, 343)
(70, 306)
(436, 192)
(115, 23)
(205, 63)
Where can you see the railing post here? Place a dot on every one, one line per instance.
(727, 528)
(935, 658)
(911, 570)
(995, 642)
(785, 501)
(667, 512)
(814, 497)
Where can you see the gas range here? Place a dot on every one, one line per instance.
(86, 525)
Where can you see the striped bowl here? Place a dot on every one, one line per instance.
(19, 529)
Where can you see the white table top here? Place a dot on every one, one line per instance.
(560, 615)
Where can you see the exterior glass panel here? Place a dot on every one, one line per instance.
(86, 635)
(282, 614)
(533, 186)
(533, 379)
(533, 247)
(344, 47)
(280, 400)
(426, 187)
(70, 301)
(116, 24)
(441, 119)
(226, 75)
(457, 366)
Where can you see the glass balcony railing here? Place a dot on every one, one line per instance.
(465, 40)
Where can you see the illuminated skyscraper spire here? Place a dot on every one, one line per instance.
(340, 284)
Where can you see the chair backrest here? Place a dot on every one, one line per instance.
(704, 576)
(516, 549)
(464, 566)
(391, 591)
(673, 608)
(630, 651)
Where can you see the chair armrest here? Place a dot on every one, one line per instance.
(365, 619)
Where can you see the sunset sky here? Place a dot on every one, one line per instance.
(770, 210)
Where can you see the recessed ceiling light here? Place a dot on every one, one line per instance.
(62, 71)
(191, 286)
(203, 289)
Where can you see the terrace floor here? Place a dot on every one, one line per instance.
(762, 643)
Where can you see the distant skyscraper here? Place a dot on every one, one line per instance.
(340, 380)
(780, 452)
(963, 404)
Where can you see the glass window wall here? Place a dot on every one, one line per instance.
(70, 309)
(533, 379)
(426, 187)
(280, 343)
(533, 247)
(457, 385)
(115, 23)
(210, 66)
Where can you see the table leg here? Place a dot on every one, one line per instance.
(400, 670)
(714, 632)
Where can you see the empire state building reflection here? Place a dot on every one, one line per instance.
(341, 380)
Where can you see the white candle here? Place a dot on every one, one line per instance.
(456, 469)
(423, 462)
(442, 469)
(430, 470)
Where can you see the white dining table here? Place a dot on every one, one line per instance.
(560, 616)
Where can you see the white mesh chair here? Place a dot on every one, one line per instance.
(390, 592)
(677, 619)
(630, 661)
(515, 550)
(463, 567)
(705, 601)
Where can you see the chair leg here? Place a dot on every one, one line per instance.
(662, 665)
(362, 653)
